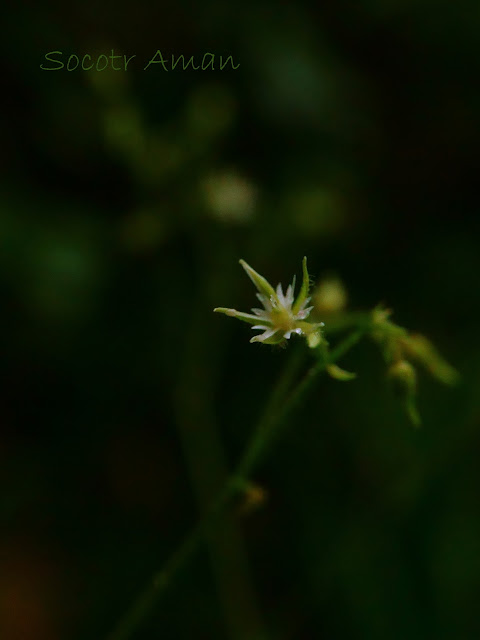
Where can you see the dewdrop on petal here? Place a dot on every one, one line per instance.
(282, 315)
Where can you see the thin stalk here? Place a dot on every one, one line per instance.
(269, 425)
(259, 443)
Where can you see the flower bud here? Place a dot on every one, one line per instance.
(404, 379)
(403, 376)
(421, 349)
(330, 296)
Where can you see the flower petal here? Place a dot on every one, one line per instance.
(275, 338)
(280, 296)
(261, 312)
(304, 313)
(265, 301)
(263, 336)
(289, 296)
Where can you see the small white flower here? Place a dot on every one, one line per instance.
(281, 315)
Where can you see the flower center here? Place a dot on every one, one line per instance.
(282, 319)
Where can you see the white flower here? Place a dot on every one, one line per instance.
(281, 315)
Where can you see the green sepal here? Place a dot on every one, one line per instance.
(312, 333)
(259, 281)
(246, 317)
(302, 296)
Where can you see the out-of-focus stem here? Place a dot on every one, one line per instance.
(262, 437)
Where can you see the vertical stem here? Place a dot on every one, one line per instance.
(208, 472)
(204, 454)
(258, 445)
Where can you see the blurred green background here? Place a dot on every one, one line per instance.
(349, 134)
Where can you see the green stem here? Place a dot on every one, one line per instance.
(261, 439)
(205, 457)
(347, 320)
(269, 425)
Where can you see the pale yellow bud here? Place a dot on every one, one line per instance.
(404, 378)
(330, 296)
(423, 351)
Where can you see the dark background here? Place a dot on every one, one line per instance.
(349, 134)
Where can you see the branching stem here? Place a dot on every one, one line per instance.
(267, 429)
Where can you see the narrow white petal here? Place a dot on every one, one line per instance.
(289, 297)
(301, 315)
(263, 336)
(265, 301)
(280, 296)
(260, 312)
(274, 301)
